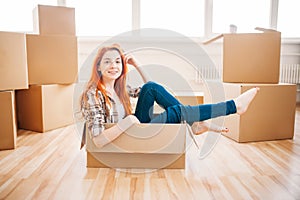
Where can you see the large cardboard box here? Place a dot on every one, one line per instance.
(52, 59)
(186, 98)
(54, 20)
(45, 107)
(190, 98)
(270, 116)
(8, 128)
(251, 57)
(13, 61)
(151, 146)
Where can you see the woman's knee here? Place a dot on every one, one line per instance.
(174, 114)
(151, 85)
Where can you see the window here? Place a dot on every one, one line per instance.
(185, 17)
(288, 18)
(16, 15)
(101, 18)
(245, 14)
(113, 17)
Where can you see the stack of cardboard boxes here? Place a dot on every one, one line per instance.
(13, 76)
(37, 72)
(52, 70)
(253, 60)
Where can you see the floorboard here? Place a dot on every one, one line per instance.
(51, 166)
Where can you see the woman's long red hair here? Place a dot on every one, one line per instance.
(120, 84)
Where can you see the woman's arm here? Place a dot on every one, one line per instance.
(93, 110)
(94, 114)
(129, 59)
(110, 134)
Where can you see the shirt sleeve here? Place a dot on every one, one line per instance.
(94, 113)
(133, 92)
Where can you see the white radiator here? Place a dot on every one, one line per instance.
(208, 73)
(289, 73)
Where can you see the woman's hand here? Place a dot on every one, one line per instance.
(131, 60)
(127, 122)
(110, 134)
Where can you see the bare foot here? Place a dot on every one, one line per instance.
(243, 101)
(201, 127)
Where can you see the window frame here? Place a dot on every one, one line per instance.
(208, 18)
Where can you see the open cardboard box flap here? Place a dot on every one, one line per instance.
(222, 35)
(250, 57)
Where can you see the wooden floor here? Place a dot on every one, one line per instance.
(51, 166)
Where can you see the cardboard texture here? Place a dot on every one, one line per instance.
(45, 107)
(54, 20)
(147, 161)
(270, 116)
(250, 57)
(142, 146)
(13, 61)
(190, 100)
(8, 128)
(184, 98)
(52, 59)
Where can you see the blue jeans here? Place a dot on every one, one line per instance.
(175, 112)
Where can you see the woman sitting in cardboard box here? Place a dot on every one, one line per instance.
(106, 99)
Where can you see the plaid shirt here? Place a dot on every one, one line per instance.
(97, 112)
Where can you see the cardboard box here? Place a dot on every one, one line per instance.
(52, 59)
(270, 116)
(136, 161)
(8, 129)
(186, 98)
(54, 20)
(189, 98)
(13, 61)
(151, 146)
(251, 57)
(45, 107)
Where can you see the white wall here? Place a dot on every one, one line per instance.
(170, 69)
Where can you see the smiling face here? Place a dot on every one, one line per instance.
(111, 65)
